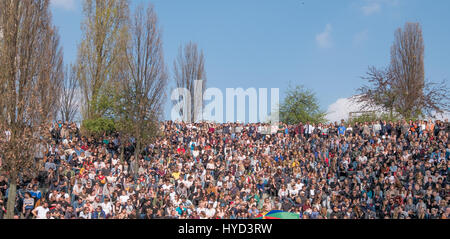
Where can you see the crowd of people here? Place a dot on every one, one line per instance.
(372, 170)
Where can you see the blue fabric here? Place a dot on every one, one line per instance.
(341, 130)
(36, 194)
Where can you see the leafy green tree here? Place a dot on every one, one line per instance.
(99, 126)
(139, 95)
(99, 53)
(301, 105)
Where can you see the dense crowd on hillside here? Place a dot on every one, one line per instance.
(395, 170)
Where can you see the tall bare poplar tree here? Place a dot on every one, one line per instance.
(144, 89)
(189, 67)
(417, 96)
(98, 51)
(30, 72)
(69, 100)
(53, 73)
(407, 67)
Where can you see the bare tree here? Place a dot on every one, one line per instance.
(402, 86)
(97, 53)
(189, 67)
(407, 67)
(436, 98)
(144, 90)
(52, 73)
(69, 101)
(26, 79)
(379, 92)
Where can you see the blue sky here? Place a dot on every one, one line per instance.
(325, 45)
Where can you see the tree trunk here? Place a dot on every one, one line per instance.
(12, 192)
(136, 158)
(122, 149)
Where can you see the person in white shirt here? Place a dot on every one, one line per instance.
(41, 211)
(114, 160)
(166, 187)
(422, 126)
(124, 197)
(8, 135)
(201, 208)
(362, 158)
(85, 214)
(309, 129)
(62, 194)
(210, 165)
(377, 127)
(293, 192)
(172, 194)
(210, 211)
(77, 188)
(188, 182)
(283, 192)
(107, 207)
(299, 185)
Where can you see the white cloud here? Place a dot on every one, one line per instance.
(371, 8)
(341, 109)
(360, 37)
(68, 5)
(374, 6)
(324, 39)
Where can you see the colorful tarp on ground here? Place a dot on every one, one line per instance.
(277, 214)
